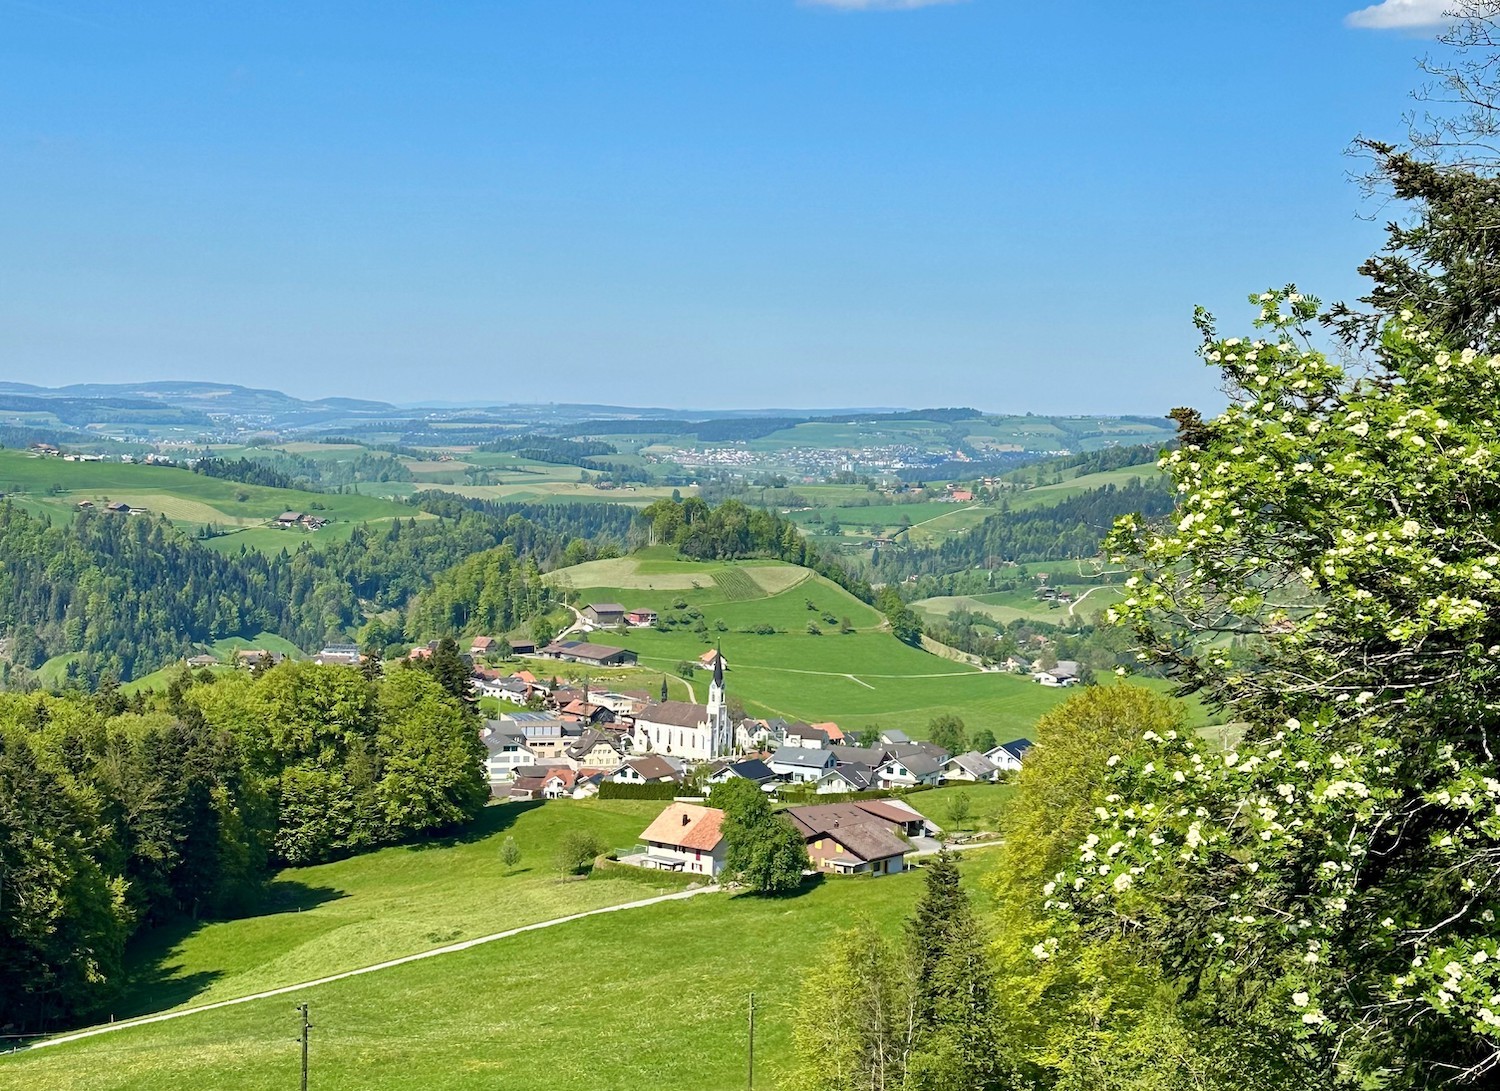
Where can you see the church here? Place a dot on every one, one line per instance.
(689, 731)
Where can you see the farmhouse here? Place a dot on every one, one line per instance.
(481, 646)
(289, 519)
(854, 838)
(1066, 673)
(685, 837)
(342, 654)
(713, 660)
(604, 613)
(641, 619)
(594, 655)
(250, 657)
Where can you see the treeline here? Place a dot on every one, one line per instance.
(117, 814)
(311, 474)
(1074, 527)
(246, 471)
(489, 592)
(123, 597)
(733, 531)
(567, 452)
(735, 429)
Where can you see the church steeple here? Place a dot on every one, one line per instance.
(716, 688)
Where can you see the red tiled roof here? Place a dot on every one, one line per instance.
(686, 826)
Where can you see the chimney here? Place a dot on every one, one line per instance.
(685, 820)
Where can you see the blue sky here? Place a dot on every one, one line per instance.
(726, 203)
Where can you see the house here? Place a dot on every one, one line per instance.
(529, 780)
(800, 764)
(641, 619)
(851, 777)
(197, 661)
(972, 767)
(250, 657)
(805, 736)
(505, 751)
(559, 782)
(754, 734)
(604, 613)
(834, 733)
(863, 837)
(909, 770)
(752, 769)
(646, 769)
(687, 730)
(596, 749)
(117, 507)
(85, 505)
(894, 735)
(1008, 757)
(586, 712)
(594, 655)
(623, 704)
(547, 735)
(686, 837)
(961, 496)
(1066, 673)
(502, 689)
(482, 646)
(289, 519)
(710, 660)
(342, 654)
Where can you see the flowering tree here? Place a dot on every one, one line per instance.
(1332, 578)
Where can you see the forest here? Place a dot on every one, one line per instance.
(118, 814)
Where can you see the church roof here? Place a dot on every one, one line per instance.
(673, 714)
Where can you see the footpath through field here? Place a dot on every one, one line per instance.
(451, 948)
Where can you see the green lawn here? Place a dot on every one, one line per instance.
(653, 997)
(397, 901)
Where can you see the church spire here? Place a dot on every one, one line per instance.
(718, 666)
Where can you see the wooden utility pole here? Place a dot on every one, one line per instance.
(751, 1076)
(306, 1026)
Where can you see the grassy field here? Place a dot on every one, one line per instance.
(857, 679)
(1007, 606)
(650, 997)
(191, 500)
(397, 901)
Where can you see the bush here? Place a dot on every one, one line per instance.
(607, 790)
(686, 669)
(813, 630)
(576, 851)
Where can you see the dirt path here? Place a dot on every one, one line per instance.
(284, 989)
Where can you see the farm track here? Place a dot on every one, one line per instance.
(283, 990)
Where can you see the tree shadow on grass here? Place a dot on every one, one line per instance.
(155, 980)
(493, 820)
(809, 884)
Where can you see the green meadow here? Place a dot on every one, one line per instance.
(866, 677)
(648, 997)
(55, 487)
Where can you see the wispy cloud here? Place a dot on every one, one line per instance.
(1402, 15)
(877, 5)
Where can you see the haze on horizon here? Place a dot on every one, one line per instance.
(714, 203)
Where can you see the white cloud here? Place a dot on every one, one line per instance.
(1401, 15)
(877, 5)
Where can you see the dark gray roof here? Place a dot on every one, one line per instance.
(803, 756)
(974, 763)
(1017, 747)
(895, 735)
(861, 755)
(858, 775)
(753, 769)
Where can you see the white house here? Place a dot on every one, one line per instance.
(1066, 673)
(972, 767)
(686, 837)
(1008, 757)
(852, 777)
(646, 769)
(505, 751)
(799, 764)
(909, 770)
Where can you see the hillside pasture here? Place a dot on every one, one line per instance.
(673, 1017)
